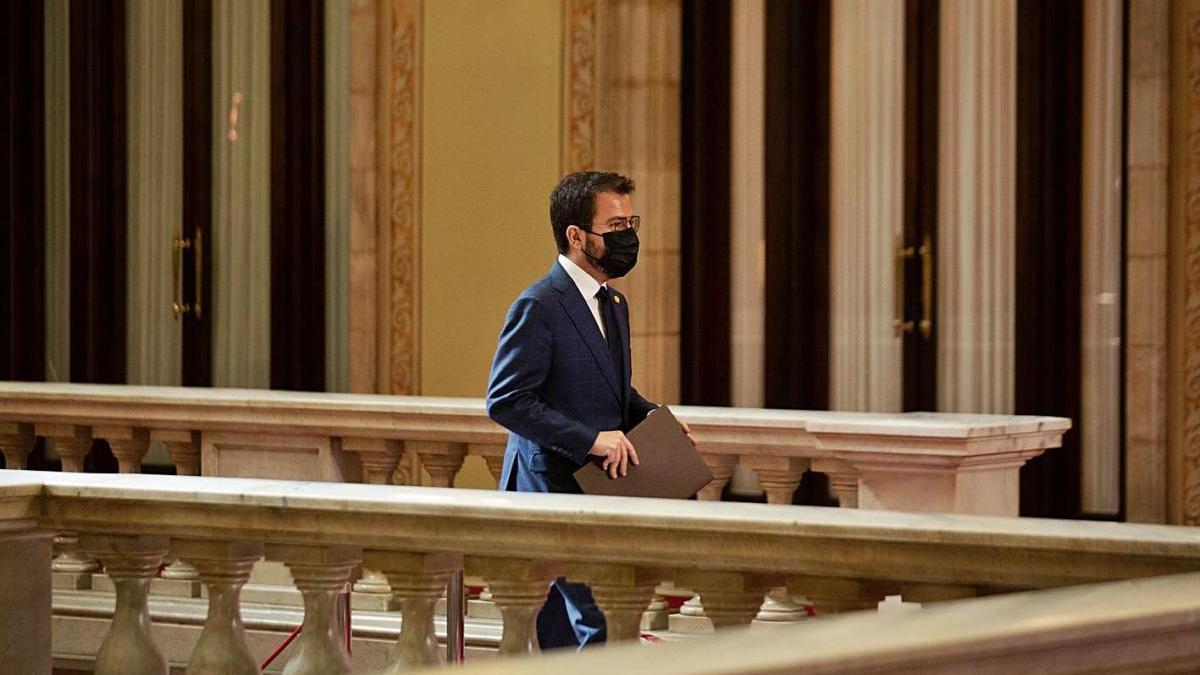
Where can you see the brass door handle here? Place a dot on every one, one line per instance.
(198, 271)
(178, 245)
(926, 253)
(900, 326)
(196, 246)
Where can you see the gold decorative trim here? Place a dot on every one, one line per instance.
(579, 85)
(1190, 183)
(402, 196)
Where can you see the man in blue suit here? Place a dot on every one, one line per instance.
(560, 381)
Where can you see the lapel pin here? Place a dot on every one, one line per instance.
(617, 299)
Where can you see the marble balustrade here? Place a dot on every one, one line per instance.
(729, 553)
(908, 462)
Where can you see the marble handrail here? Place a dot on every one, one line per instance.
(911, 461)
(1150, 625)
(729, 553)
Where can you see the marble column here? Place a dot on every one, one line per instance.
(224, 567)
(131, 562)
(1101, 255)
(154, 37)
(519, 589)
(321, 574)
(57, 107)
(336, 36)
(866, 202)
(241, 327)
(976, 206)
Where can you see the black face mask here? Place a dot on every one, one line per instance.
(621, 252)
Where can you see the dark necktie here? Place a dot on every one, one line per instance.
(608, 314)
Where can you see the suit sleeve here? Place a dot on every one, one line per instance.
(521, 366)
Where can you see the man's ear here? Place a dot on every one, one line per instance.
(578, 235)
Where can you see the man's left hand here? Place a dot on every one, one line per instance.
(687, 431)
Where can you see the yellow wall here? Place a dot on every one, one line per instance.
(490, 158)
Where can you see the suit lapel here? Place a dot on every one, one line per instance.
(575, 307)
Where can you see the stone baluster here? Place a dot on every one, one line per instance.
(658, 612)
(321, 574)
(224, 567)
(129, 445)
(441, 460)
(623, 592)
(72, 568)
(722, 467)
(184, 448)
(845, 486)
(131, 562)
(16, 442)
(71, 442)
(730, 598)
(493, 456)
(779, 477)
(417, 580)
(519, 589)
(832, 595)
(843, 480)
(378, 456)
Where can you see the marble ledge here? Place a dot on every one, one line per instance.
(216, 409)
(1090, 628)
(485, 508)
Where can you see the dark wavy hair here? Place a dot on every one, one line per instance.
(573, 201)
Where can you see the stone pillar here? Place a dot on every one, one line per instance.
(730, 598)
(722, 467)
(321, 574)
(72, 443)
(131, 562)
(16, 442)
(184, 447)
(224, 567)
(623, 592)
(129, 445)
(25, 632)
(417, 580)
(976, 209)
(519, 589)
(441, 460)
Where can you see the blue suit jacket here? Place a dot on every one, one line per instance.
(554, 386)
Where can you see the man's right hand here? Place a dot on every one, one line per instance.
(617, 452)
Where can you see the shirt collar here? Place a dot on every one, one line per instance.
(587, 285)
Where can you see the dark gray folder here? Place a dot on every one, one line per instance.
(670, 467)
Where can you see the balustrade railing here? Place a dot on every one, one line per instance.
(909, 462)
(729, 553)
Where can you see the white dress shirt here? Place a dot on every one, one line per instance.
(588, 287)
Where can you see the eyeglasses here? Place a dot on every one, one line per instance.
(622, 224)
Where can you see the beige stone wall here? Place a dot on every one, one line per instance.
(1146, 263)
